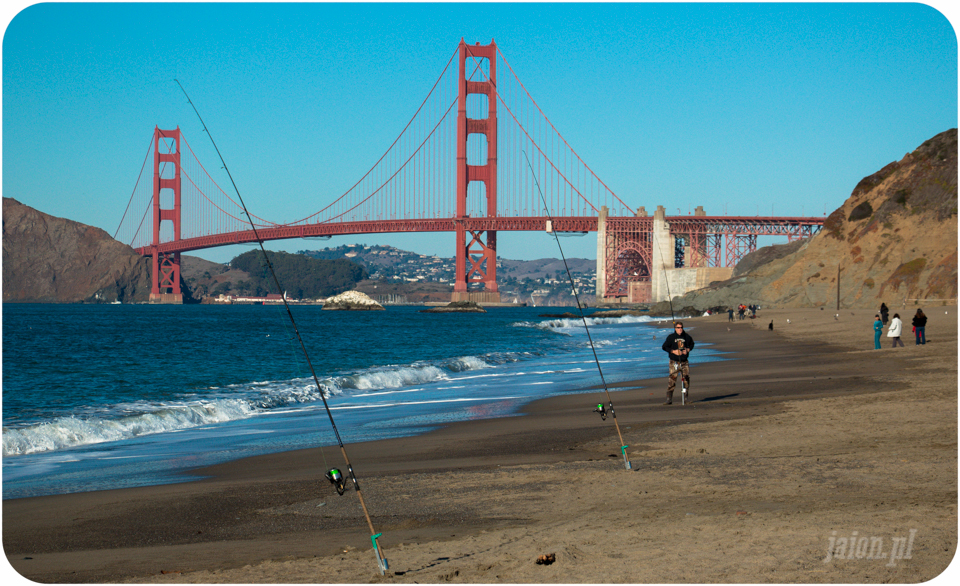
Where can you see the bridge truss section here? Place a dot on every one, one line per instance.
(628, 257)
(706, 238)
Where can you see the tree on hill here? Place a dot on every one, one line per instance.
(300, 276)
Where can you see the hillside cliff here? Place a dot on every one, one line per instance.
(54, 260)
(894, 239)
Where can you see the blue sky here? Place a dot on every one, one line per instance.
(743, 108)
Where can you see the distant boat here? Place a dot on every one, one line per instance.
(115, 302)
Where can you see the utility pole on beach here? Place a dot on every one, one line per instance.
(838, 287)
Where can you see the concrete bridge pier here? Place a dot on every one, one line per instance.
(662, 257)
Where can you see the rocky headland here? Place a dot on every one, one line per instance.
(54, 260)
(352, 301)
(894, 240)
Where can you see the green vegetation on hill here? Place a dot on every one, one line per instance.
(302, 277)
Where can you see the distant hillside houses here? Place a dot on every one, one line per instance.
(518, 279)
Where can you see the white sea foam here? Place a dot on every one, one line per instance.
(219, 405)
(566, 325)
(67, 432)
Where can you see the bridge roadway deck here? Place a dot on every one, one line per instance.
(758, 226)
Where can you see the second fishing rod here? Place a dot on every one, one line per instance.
(600, 407)
(374, 537)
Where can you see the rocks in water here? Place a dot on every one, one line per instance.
(352, 301)
(456, 307)
(618, 313)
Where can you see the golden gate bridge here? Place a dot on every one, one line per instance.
(477, 157)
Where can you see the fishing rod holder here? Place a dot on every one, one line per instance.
(627, 463)
(336, 478)
(382, 564)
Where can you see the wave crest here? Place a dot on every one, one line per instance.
(234, 402)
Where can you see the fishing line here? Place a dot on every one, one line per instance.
(599, 409)
(666, 281)
(381, 561)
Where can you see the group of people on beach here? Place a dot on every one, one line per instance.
(895, 329)
(742, 311)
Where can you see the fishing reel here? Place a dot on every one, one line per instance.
(336, 478)
(601, 410)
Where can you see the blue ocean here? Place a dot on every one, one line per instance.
(112, 396)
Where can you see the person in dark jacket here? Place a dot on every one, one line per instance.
(678, 347)
(884, 312)
(919, 324)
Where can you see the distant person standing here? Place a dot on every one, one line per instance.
(730, 314)
(678, 347)
(896, 327)
(877, 330)
(884, 313)
(919, 325)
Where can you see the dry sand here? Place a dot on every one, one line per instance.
(806, 440)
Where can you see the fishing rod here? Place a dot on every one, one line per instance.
(600, 408)
(333, 475)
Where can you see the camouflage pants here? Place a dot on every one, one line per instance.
(675, 369)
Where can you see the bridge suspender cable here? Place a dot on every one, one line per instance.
(623, 447)
(374, 536)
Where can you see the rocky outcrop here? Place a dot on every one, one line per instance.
(352, 300)
(456, 307)
(894, 240)
(55, 260)
(618, 313)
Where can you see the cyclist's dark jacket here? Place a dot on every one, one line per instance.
(672, 343)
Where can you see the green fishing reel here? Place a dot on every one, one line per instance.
(336, 478)
(602, 411)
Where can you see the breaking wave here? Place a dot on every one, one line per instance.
(221, 405)
(566, 325)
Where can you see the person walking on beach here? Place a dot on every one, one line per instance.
(896, 326)
(884, 312)
(919, 324)
(877, 329)
(678, 347)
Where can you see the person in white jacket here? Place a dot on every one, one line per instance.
(896, 326)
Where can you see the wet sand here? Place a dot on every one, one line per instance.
(805, 439)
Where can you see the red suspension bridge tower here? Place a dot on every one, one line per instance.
(166, 265)
(476, 260)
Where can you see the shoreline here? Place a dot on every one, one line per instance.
(261, 519)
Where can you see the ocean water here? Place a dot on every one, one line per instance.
(110, 396)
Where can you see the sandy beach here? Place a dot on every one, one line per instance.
(807, 456)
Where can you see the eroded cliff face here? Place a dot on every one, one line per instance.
(54, 260)
(895, 238)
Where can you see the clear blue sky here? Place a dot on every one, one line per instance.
(741, 108)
